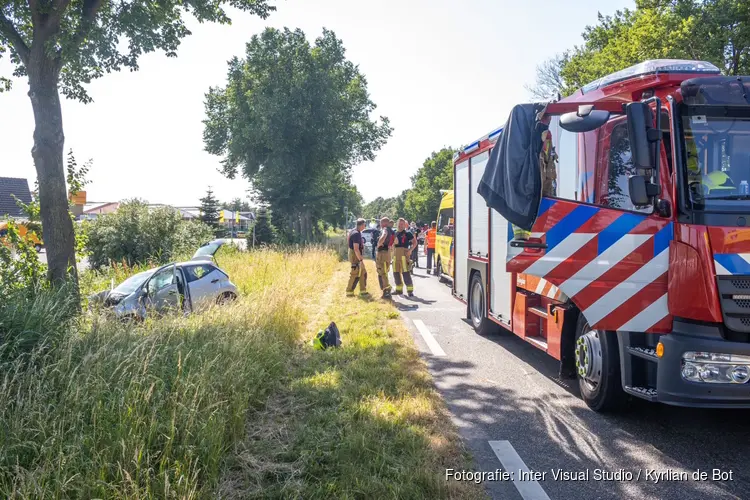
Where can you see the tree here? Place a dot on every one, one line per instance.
(423, 199)
(549, 80)
(717, 31)
(210, 210)
(237, 205)
(264, 231)
(302, 113)
(61, 45)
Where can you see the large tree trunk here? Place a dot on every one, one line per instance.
(47, 152)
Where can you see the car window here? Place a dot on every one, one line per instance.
(194, 273)
(131, 284)
(445, 222)
(161, 279)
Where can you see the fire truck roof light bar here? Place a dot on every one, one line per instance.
(492, 136)
(653, 67)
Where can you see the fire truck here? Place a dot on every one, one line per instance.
(635, 272)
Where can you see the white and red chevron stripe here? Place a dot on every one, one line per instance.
(612, 264)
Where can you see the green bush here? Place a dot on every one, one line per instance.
(136, 233)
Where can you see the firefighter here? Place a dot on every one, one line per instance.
(415, 253)
(356, 259)
(405, 243)
(548, 171)
(383, 256)
(429, 243)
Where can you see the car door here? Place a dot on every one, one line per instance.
(162, 292)
(609, 257)
(204, 283)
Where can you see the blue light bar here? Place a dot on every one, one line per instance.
(471, 147)
(653, 67)
(495, 134)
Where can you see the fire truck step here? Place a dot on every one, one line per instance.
(537, 341)
(646, 393)
(538, 311)
(643, 352)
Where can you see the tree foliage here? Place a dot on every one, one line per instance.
(264, 231)
(209, 209)
(717, 31)
(162, 235)
(423, 199)
(87, 39)
(237, 205)
(293, 119)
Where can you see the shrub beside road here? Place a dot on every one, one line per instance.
(231, 402)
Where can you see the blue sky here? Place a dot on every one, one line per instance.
(444, 72)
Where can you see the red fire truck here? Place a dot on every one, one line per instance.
(636, 274)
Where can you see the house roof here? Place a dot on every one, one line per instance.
(13, 186)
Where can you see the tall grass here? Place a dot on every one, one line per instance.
(151, 410)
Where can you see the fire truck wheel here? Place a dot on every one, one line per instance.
(440, 273)
(478, 307)
(598, 368)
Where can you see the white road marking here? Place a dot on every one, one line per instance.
(428, 338)
(529, 490)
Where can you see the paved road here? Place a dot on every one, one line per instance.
(81, 265)
(505, 393)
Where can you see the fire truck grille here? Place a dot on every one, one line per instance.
(734, 293)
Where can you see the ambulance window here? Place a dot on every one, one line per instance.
(619, 168)
(444, 223)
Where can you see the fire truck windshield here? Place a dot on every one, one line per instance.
(717, 156)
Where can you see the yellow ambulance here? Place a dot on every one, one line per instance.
(444, 240)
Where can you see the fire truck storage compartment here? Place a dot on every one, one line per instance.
(479, 212)
(461, 238)
(499, 278)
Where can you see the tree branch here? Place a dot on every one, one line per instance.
(58, 8)
(9, 31)
(88, 13)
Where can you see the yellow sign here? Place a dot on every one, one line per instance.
(221, 216)
(237, 217)
(78, 198)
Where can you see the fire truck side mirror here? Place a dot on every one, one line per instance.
(585, 119)
(641, 191)
(639, 133)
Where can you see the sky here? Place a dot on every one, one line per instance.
(445, 73)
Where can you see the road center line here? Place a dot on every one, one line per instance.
(529, 490)
(428, 338)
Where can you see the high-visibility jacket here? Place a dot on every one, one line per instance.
(431, 235)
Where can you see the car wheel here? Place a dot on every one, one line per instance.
(598, 368)
(226, 298)
(478, 308)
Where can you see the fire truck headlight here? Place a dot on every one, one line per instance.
(715, 368)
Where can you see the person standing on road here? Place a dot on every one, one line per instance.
(405, 243)
(357, 260)
(415, 253)
(383, 256)
(429, 243)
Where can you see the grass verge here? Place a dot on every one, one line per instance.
(363, 421)
(232, 402)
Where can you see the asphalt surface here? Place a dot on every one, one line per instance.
(81, 265)
(501, 389)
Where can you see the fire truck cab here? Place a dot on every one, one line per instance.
(636, 273)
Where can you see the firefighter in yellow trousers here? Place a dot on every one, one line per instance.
(404, 246)
(356, 259)
(383, 256)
